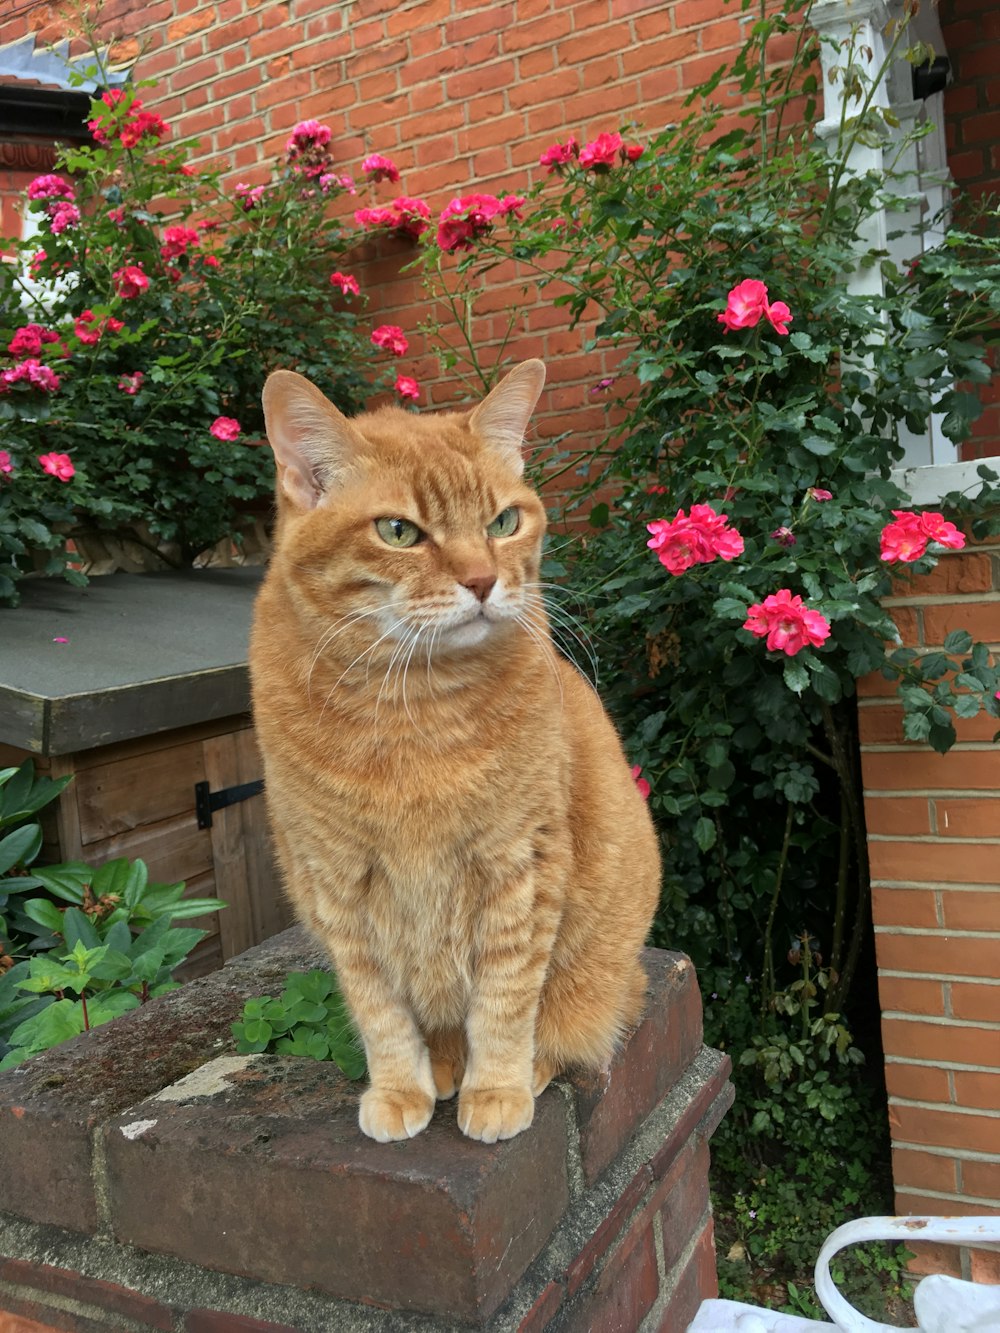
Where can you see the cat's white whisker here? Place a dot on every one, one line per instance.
(331, 633)
(370, 649)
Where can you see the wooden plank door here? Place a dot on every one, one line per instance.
(246, 876)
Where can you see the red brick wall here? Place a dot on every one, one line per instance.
(460, 93)
(934, 840)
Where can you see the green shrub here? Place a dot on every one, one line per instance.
(104, 936)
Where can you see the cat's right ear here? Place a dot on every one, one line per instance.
(313, 442)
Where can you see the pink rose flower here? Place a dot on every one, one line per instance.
(405, 217)
(57, 465)
(632, 152)
(602, 154)
(467, 218)
(560, 154)
(407, 387)
(249, 195)
(62, 215)
(379, 168)
(37, 375)
(779, 315)
(391, 338)
(131, 384)
(907, 538)
(27, 341)
(640, 782)
(697, 538)
(347, 284)
(783, 536)
(818, 494)
(308, 134)
(88, 328)
(50, 187)
(787, 622)
(130, 281)
(329, 179)
(117, 216)
(145, 125)
(6, 466)
(602, 386)
(176, 241)
(747, 304)
(224, 428)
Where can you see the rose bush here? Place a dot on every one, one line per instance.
(760, 416)
(138, 326)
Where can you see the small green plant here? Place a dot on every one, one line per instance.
(104, 936)
(310, 1018)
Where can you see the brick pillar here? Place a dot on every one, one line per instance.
(152, 1179)
(934, 840)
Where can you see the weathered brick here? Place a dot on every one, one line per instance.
(625, 1294)
(543, 1310)
(50, 1105)
(610, 1109)
(580, 1268)
(696, 1283)
(441, 1224)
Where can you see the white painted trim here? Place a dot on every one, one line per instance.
(926, 485)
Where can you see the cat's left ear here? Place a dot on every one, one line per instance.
(503, 415)
(313, 442)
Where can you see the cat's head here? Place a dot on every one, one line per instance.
(414, 522)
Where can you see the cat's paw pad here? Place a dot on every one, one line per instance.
(495, 1113)
(387, 1115)
(447, 1076)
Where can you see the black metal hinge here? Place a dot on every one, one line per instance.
(207, 801)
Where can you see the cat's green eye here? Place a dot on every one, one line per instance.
(505, 524)
(398, 532)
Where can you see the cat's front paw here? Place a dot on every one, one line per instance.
(494, 1113)
(387, 1115)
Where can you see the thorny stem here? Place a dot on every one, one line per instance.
(843, 865)
(768, 989)
(86, 1017)
(845, 763)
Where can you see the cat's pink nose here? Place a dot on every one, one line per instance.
(480, 584)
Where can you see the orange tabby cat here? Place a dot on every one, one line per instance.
(453, 813)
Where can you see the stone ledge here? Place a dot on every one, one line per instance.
(204, 1190)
